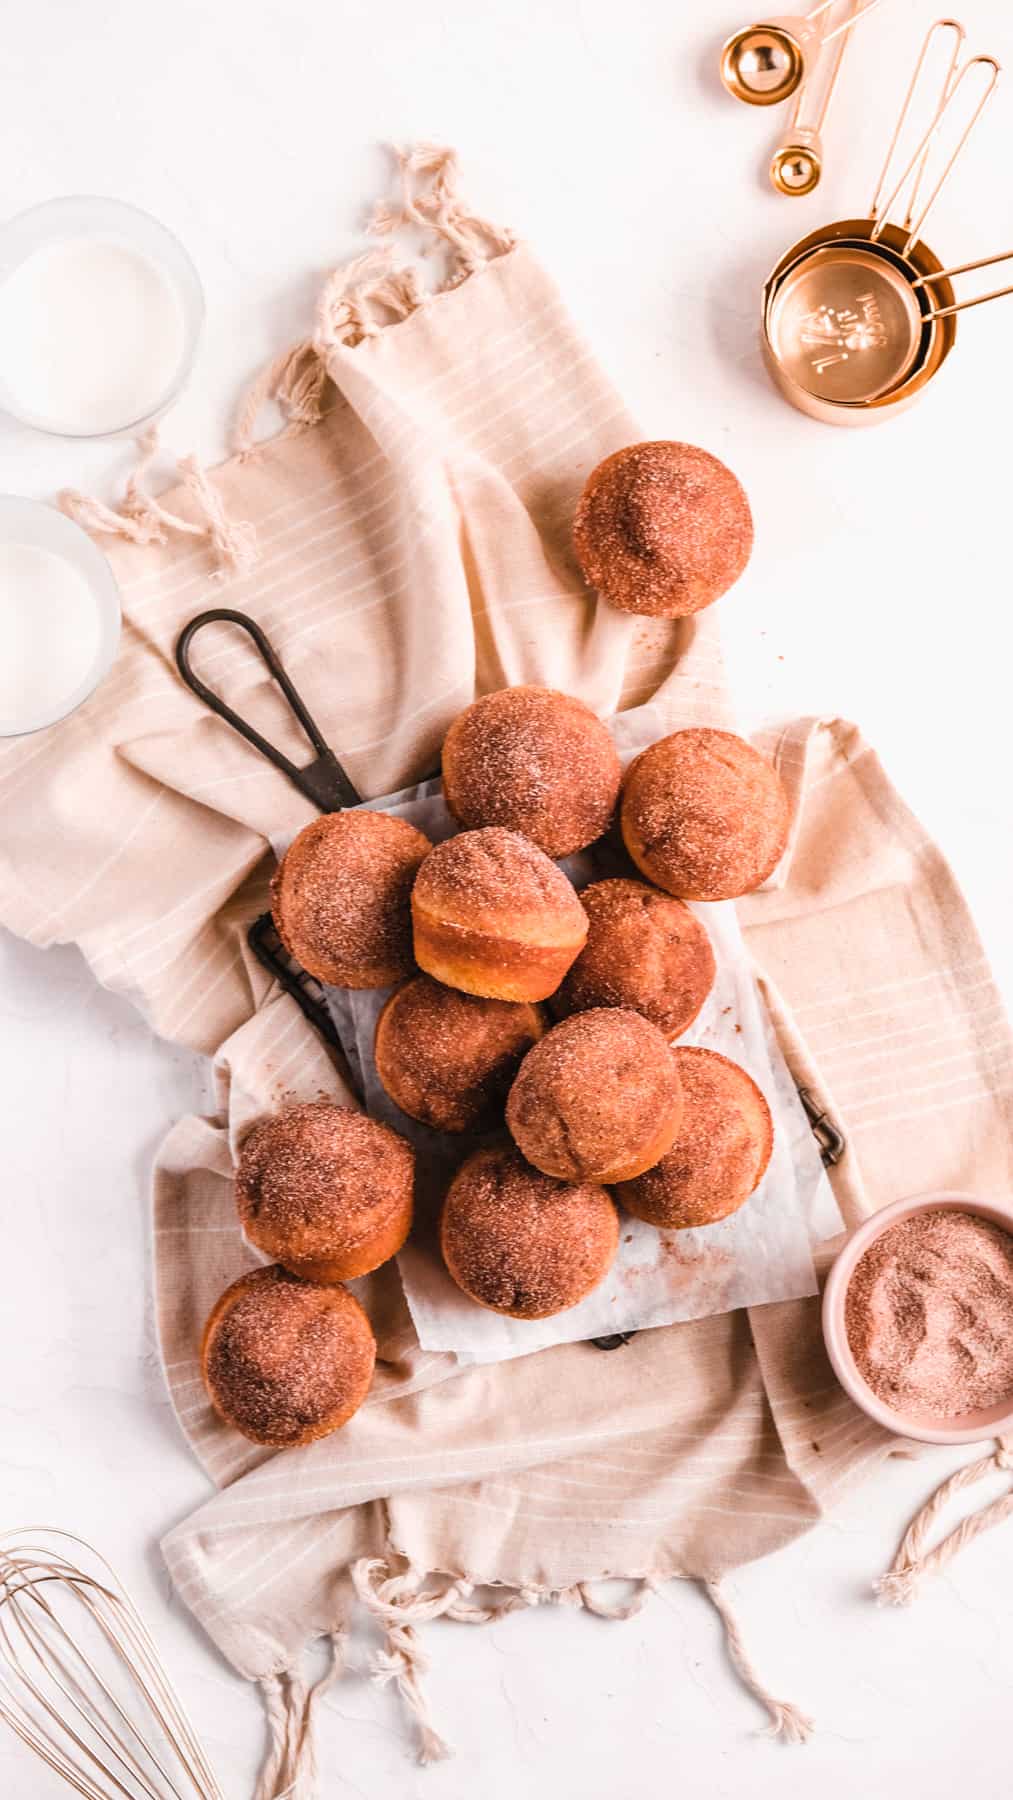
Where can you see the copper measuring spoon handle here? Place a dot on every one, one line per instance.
(323, 780)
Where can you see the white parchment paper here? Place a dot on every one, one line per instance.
(762, 1253)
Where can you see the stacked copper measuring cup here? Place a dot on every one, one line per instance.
(861, 314)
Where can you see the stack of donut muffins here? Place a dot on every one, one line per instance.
(543, 1022)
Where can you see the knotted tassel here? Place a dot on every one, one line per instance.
(786, 1721)
(434, 203)
(290, 1771)
(234, 541)
(913, 1561)
(297, 380)
(396, 1603)
(403, 1661)
(343, 318)
(465, 1612)
(142, 519)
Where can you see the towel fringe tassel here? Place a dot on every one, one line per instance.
(399, 1603)
(290, 1770)
(898, 1586)
(787, 1722)
(359, 300)
(142, 519)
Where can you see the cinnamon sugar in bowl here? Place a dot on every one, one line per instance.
(918, 1318)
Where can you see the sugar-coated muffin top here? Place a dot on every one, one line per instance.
(663, 529)
(594, 1093)
(495, 880)
(536, 761)
(522, 1242)
(341, 899)
(704, 815)
(644, 950)
(287, 1360)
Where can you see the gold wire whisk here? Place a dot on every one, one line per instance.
(81, 1681)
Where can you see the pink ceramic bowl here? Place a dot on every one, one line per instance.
(969, 1428)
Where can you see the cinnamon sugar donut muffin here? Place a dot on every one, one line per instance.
(704, 815)
(493, 916)
(341, 897)
(447, 1058)
(284, 1361)
(662, 529)
(325, 1191)
(521, 1243)
(644, 950)
(722, 1151)
(599, 1099)
(536, 761)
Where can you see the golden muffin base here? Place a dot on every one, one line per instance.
(492, 967)
(354, 1259)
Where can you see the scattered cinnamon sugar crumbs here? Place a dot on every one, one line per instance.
(929, 1315)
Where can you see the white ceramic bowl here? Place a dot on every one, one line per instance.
(969, 1428)
(28, 522)
(95, 218)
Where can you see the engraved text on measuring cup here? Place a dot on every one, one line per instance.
(836, 332)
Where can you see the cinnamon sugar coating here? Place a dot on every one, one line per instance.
(284, 1361)
(521, 1243)
(704, 815)
(644, 950)
(929, 1315)
(448, 1058)
(325, 1190)
(720, 1156)
(662, 528)
(536, 761)
(599, 1099)
(493, 915)
(341, 898)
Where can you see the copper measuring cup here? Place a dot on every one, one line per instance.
(859, 315)
(766, 63)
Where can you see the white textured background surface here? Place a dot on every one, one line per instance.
(880, 588)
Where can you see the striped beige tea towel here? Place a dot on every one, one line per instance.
(405, 542)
